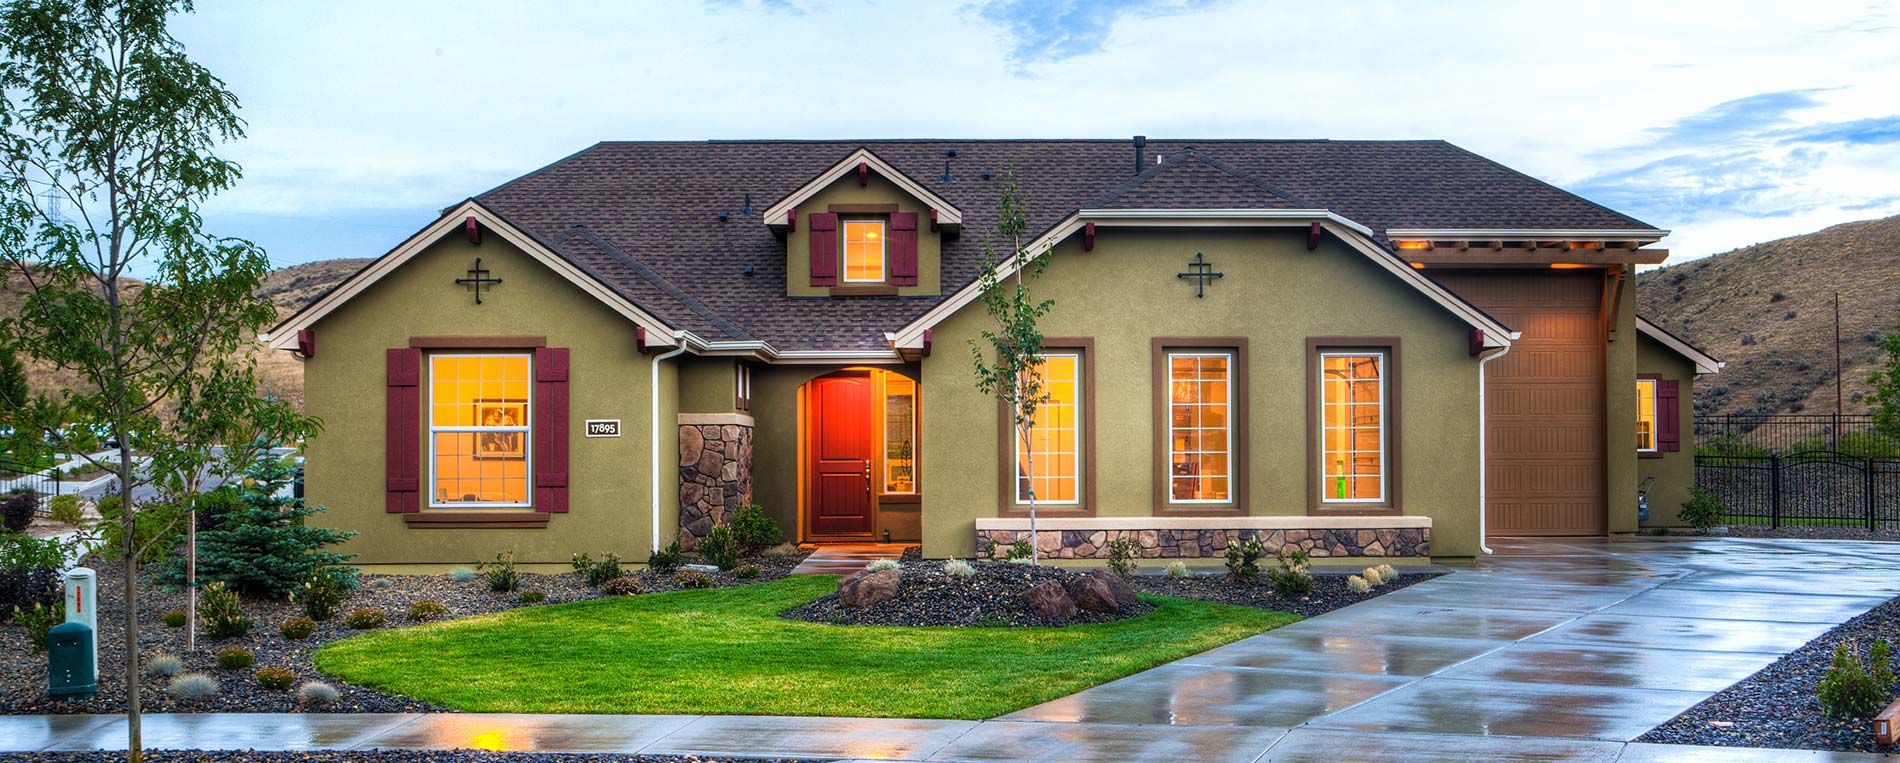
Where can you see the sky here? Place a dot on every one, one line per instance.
(1729, 123)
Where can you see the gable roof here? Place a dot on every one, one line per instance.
(947, 214)
(1704, 362)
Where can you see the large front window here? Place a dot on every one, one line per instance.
(479, 442)
(1352, 427)
(863, 251)
(1199, 427)
(1646, 415)
(1049, 465)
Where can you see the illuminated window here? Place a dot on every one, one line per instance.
(863, 251)
(900, 434)
(479, 441)
(1646, 415)
(742, 386)
(1199, 436)
(1352, 427)
(1054, 436)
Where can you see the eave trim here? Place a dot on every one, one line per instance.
(1704, 362)
(947, 214)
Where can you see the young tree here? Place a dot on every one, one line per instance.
(1008, 368)
(106, 136)
(1886, 398)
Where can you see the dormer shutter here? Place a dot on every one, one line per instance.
(824, 249)
(1668, 416)
(903, 243)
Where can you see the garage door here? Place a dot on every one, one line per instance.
(1544, 402)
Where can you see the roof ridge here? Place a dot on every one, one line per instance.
(652, 276)
(1190, 153)
(1256, 180)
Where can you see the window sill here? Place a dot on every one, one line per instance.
(1199, 510)
(461, 520)
(864, 290)
(894, 499)
(1336, 510)
(1649, 454)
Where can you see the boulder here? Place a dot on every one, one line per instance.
(1090, 594)
(1050, 601)
(867, 589)
(1123, 592)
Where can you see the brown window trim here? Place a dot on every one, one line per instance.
(459, 518)
(490, 520)
(1237, 417)
(1006, 505)
(1658, 453)
(864, 290)
(1393, 429)
(477, 342)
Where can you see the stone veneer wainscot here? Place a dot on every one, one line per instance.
(1208, 537)
(715, 471)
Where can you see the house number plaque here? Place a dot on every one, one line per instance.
(603, 427)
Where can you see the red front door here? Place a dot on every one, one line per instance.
(841, 446)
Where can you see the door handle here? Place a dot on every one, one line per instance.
(867, 478)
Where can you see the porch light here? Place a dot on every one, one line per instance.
(1415, 244)
(1569, 265)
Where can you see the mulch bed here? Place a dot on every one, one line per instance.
(928, 596)
(368, 756)
(1329, 590)
(1776, 706)
(23, 673)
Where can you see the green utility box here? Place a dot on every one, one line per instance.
(71, 670)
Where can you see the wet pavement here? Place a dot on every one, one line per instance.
(1560, 650)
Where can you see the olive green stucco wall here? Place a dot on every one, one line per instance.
(608, 379)
(1275, 293)
(707, 385)
(876, 191)
(1619, 439)
(1674, 472)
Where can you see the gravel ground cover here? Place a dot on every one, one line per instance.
(1329, 591)
(1887, 531)
(368, 756)
(1776, 706)
(23, 673)
(926, 596)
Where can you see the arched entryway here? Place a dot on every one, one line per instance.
(858, 434)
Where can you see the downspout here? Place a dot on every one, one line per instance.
(653, 390)
(1483, 472)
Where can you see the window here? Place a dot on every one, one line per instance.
(742, 386)
(479, 441)
(900, 434)
(1352, 421)
(1055, 435)
(863, 251)
(1646, 415)
(1200, 440)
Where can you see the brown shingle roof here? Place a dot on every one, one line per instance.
(644, 216)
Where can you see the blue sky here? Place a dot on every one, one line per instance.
(1730, 123)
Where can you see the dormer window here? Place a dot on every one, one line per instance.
(864, 251)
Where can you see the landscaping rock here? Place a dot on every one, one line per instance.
(1119, 587)
(867, 589)
(1050, 601)
(1090, 594)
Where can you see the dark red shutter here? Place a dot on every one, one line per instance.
(550, 430)
(824, 249)
(402, 418)
(904, 248)
(1668, 416)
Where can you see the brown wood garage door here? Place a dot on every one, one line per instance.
(1544, 401)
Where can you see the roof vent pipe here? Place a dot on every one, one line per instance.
(1141, 151)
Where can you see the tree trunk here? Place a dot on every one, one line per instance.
(129, 539)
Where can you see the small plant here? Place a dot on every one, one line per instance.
(957, 568)
(1357, 584)
(64, 509)
(987, 550)
(1121, 556)
(38, 621)
(747, 572)
(1703, 510)
(754, 529)
(666, 560)
(882, 565)
(719, 547)
(175, 618)
(692, 579)
(595, 572)
(1292, 574)
(367, 618)
(501, 574)
(1386, 573)
(190, 686)
(424, 610)
(1021, 551)
(16, 511)
(1851, 689)
(1177, 569)
(316, 693)
(624, 586)
(276, 679)
(322, 594)
(461, 574)
(299, 627)
(1372, 577)
(782, 549)
(1243, 558)
(531, 596)
(163, 664)
(236, 657)
(220, 612)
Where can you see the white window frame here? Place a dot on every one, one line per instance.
(742, 386)
(1655, 435)
(527, 434)
(1385, 445)
(883, 251)
(1228, 428)
(1075, 433)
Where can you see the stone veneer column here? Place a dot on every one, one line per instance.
(715, 471)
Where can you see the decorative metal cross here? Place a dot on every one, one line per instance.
(1203, 272)
(477, 276)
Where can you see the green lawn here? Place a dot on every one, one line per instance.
(727, 652)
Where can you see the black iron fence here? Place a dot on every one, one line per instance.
(1817, 487)
(1761, 435)
(18, 477)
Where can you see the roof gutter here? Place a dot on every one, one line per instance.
(1483, 469)
(653, 392)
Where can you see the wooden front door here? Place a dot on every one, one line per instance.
(840, 446)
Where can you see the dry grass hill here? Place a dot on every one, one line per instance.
(1768, 310)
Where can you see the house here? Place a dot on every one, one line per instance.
(1362, 348)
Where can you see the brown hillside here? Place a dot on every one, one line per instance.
(1768, 310)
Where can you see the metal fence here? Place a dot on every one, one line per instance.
(16, 477)
(1783, 433)
(1820, 487)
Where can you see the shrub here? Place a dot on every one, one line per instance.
(29, 572)
(1121, 556)
(594, 573)
(501, 574)
(1177, 569)
(16, 512)
(316, 693)
(65, 510)
(754, 529)
(531, 596)
(747, 572)
(957, 568)
(163, 664)
(1021, 550)
(782, 549)
(1704, 510)
(236, 657)
(38, 620)
(1850, 689)
(276, 679)
(190, 686)
(882, 565)
(154, 530)
(322, 594)
(297, 628)
(220, 612)
(461, 574)
(719, 547)
(1292, 574)
(623, 587)
(1357, 584)
(424, 610)
(216, 509)
(367, 618)
(266, 543)
(1243, 558)
(692, 579)
(1386, 573)
(666, 560)
(1372, 577)
(175, 618)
